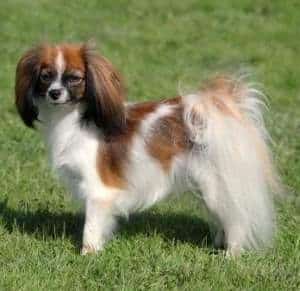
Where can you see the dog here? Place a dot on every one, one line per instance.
(123, 157)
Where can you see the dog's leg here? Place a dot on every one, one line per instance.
(98, 227)
(232, 224)
(229, 212)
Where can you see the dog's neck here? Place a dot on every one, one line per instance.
(62, 127)
(51, 116)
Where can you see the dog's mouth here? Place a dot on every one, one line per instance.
(70, 101)
(62, 101)
(56, 103)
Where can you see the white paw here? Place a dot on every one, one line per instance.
(88, 249)
(234, 251)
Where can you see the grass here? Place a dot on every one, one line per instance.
(157, 45)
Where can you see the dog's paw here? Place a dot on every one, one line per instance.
(89, 250)
(234, 251)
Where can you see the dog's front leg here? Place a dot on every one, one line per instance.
(98, 227)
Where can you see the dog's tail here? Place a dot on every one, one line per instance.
(231, 160)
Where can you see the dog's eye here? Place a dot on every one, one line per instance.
(46, 76)
(74, 79)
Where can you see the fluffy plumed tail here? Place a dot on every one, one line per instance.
(231, 161)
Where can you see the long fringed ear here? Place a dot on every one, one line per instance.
(26, 78)
(104, 94)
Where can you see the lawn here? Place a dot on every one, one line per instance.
(159, 46)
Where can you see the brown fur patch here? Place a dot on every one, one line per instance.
(73, 57)
(223, 92)
(48, 55)
(105, 93)
(170, 137)
(113, 157)
(26, 77)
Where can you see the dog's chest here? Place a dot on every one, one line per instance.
(73, 154)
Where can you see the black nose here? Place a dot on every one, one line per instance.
(54, 93)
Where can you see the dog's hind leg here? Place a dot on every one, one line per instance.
(230, 162)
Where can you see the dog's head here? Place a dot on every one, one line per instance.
(65, 75)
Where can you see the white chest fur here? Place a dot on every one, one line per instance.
(72, 147)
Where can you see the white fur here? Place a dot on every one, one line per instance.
(73, 152)
(147, 180)
(231, 168)
(227, 164)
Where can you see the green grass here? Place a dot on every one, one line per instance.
(157, 45)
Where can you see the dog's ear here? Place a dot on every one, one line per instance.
(26, 77)
(104, 93)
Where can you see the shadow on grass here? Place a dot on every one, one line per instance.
(44, 224)
(172, 227)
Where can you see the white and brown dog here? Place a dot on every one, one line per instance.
(124, 157)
